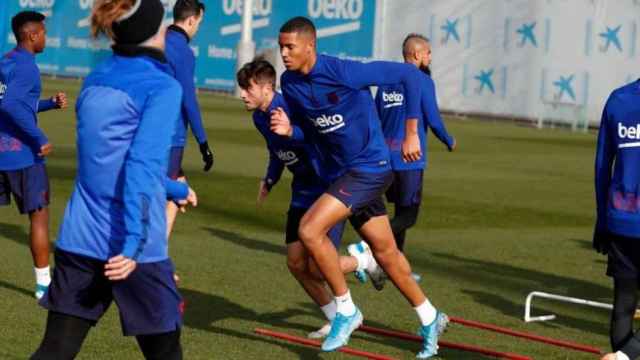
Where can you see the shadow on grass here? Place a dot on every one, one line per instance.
(15, 233)
(12, 287)
(247, 242)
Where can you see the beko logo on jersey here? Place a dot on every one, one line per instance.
(287, 157)
(631, 132)
(85, 4)
(3, 89)
(392, 99)
(328, 123)
(336, 9)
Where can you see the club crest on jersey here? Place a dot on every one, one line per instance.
(328, 123)
(287, 157)
(333, 98)
(392, 99)
(3, 90)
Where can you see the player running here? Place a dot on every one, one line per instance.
(331, 99)
(405, 191)
(257, 83)
(23, 146)
(187, 17)
(112, 243)
(617, 232)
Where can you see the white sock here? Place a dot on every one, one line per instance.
(344, 304)
(42, 276)
(621, 356)
(426, 313)
(329, 310)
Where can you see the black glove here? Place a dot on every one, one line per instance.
(207, 156)
(601, 241)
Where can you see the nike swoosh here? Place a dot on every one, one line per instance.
(344, 192)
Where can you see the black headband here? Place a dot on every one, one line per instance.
(140, 23)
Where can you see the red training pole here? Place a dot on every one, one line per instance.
(314, 343)
(463, 347)
(524, 335)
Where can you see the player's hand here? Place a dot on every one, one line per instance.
(60, 99)
(280, 123)
(207, 156)
(192, 199)
(609, 356)
(45, 150)
(411, 150)
(263, 192)
(601, 242)
(454, 145)
(119, 268)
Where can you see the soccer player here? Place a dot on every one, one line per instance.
(257, 83)
(617, 230)
(23, 146)
(112, 243)
(187, 17)
(331, 99)
(405, 191)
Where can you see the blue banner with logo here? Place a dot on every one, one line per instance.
(345, 29)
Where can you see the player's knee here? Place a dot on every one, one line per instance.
(296, 266)
(309, 235)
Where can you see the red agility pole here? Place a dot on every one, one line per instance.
(470, 348)
(303, 341)
(532, 337)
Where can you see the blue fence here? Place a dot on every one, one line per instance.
(345, 28)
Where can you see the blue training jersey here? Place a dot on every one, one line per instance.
(123, 141)
(617, 166)
(20, 89)
(391, 109)
(182, 63)
(295, 156)
(334, 107)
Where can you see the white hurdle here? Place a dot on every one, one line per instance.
(568, 299)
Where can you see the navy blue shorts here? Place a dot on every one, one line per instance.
(29, 186)
(175, 163)
(406, 188)
(148, 300)
(362, 193)
(295, 214)
(624, 257)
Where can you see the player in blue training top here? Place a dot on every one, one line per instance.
(257, 83)
(331, 100)
(112, 243)
(187, 17)
(617, 231)
(406, 190)
(23, 146)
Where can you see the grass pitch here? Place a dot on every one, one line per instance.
(511, 211)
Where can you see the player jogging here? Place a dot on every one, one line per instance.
(112, 243)
(257, 83)
(617, 232)
(331, 97)
(187, 17)
(405, 191)
(23, 146)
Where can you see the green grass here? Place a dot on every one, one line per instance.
(510, 212)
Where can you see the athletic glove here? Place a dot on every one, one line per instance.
(601, 241)
(207, 156)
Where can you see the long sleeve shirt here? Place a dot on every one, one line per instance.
(20, 89)
(118, 202)
(182, 64)
(335, 103)
(391, 108)
(617, 165)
